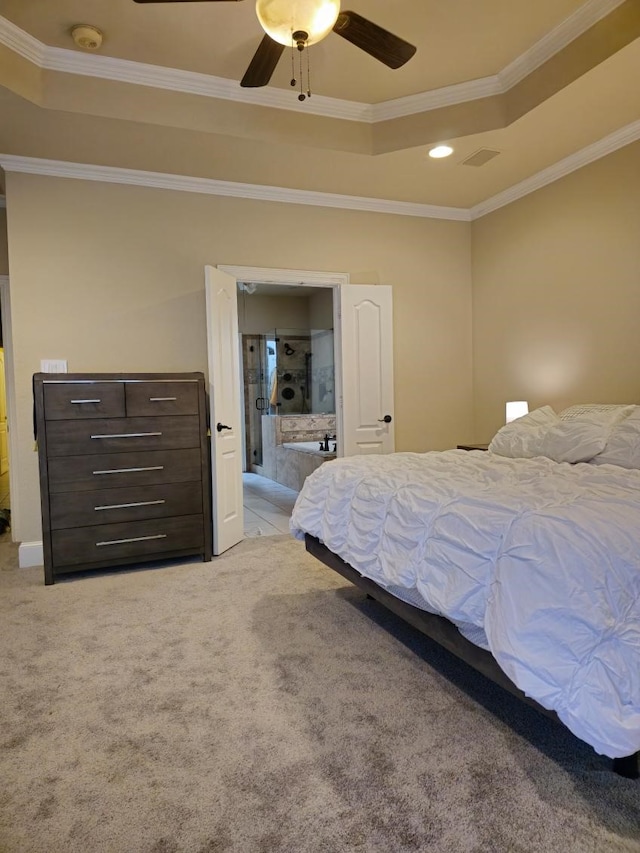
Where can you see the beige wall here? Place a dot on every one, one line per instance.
(556, 294)
(4, 260)
(260, 315)
(321, 309)
(111, 278)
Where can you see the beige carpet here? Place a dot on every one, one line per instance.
(259, 704)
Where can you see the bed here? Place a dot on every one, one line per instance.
(523, 560)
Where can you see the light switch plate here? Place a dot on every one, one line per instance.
(53, 365)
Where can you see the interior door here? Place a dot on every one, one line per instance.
(366, 342)
(224, 402)
(4, 447)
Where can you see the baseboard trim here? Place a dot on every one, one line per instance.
(30, 554)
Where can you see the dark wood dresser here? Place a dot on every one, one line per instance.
(124, 469)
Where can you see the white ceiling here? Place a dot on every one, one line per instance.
(578, 86)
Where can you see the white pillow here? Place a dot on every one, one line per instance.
(523, 437)
(585, 409)
(623, 445)
(582, 438)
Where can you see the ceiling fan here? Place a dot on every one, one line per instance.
(300, 23)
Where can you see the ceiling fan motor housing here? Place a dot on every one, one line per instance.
(300, 38)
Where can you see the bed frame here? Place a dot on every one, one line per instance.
(447, 635)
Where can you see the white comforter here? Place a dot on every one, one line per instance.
(544, 556)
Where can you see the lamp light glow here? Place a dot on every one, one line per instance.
(516, 409)
(280, 19)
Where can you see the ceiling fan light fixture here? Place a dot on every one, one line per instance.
(280, 19)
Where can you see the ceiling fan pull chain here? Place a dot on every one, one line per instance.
(308, 74)
(302, 95)
(293, 67)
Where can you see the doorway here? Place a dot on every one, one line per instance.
(6, 387)
(287, 378)
(363, 351)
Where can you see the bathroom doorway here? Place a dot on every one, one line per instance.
(288, 380)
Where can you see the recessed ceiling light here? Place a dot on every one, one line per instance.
(440, 151)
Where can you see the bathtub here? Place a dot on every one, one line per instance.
(295, 460)
(311, 447)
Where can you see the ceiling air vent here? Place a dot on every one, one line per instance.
(480, 157)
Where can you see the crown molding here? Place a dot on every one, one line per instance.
(209, 186)
(607, 145)
(194, 83)
(484, 87)
(556, 40)
(22, 43)
(189, 82)
(458, 93)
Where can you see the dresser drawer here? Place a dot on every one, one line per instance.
(161, 398)
(108, 506)
(71, 400)
(120, 434)
(118, 470)
(137, 539)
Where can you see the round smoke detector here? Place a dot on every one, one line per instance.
(86, 36)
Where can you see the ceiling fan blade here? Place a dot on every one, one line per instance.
(263, 63)
(374, 40)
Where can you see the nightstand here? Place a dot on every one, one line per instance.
(473, 447)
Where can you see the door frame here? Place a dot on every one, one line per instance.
(305, 278)
(12, 427)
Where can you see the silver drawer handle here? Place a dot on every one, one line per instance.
(85, 401)
(127, 470)
(134, 539)
(127, 435)
(161, 399)
(126, 506)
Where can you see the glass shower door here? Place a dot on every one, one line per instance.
(256, 395)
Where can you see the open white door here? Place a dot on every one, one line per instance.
(4, 447)
(224, 402)
(366, 341)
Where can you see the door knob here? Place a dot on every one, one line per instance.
(386, 419)
(220, 427)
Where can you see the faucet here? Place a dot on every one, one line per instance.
(324, 443)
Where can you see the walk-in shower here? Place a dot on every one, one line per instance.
(285, 372)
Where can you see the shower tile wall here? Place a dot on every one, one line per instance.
(293, 352)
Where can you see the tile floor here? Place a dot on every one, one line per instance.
(267, 506)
